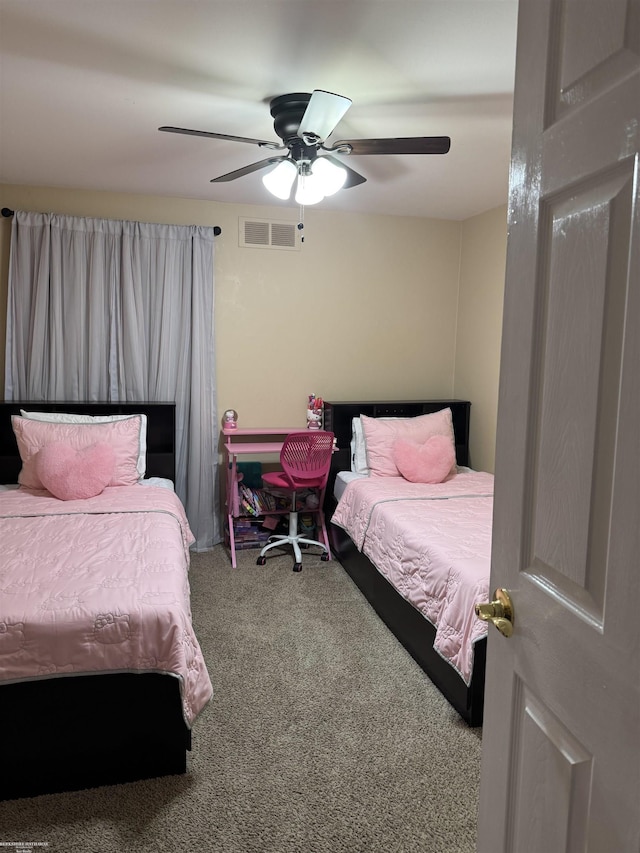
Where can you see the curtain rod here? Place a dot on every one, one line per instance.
(6, 212)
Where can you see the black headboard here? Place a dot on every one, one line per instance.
(161, 430)
(338, 418)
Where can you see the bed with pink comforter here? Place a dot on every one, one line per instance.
(98, 585)
(433, 544)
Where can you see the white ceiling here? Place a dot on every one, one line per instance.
(84, 85)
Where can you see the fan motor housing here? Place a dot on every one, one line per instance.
(287, 112)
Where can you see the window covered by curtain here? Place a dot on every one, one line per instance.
(106, 310)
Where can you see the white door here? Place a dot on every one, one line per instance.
(561, 742)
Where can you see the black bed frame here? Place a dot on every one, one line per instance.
(68, 733)
(415, 632)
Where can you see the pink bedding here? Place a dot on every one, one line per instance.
(433, 544)
(98, 585)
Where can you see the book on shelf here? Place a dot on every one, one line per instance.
(260, 501)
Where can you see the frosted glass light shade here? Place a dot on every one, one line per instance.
(331, 177)
(309, 189)
(280, 179)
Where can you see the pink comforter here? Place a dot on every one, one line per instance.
(98, 585)
(433, 543)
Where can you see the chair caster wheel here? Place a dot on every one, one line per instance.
(297, 567)
(261, 561)
(324, 557)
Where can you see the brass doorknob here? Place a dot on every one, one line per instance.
(499, 611)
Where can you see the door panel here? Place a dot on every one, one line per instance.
(592, 51)
(561, 744)
(577, 344)
(551, 793)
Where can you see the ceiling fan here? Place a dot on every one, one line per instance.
(303, 122)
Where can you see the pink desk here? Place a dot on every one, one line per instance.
(238, 443)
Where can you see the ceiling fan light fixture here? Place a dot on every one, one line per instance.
(280, 179)
(332, 177)
(303, 122)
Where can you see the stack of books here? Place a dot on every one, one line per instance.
(257, 502)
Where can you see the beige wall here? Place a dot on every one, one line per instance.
(367, 309)
(479, 328)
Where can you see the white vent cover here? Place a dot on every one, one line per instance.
(267, 234)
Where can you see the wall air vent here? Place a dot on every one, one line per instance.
(267, 234)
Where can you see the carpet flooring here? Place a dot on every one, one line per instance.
(323, 736)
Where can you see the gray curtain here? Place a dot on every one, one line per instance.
(106, 310)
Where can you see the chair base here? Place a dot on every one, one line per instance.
(294, 539)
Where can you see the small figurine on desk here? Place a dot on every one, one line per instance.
(230, 419)
(313, 419)
(314, 412)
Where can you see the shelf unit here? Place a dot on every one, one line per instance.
(258, 441)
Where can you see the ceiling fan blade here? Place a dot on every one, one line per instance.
(247, 170)
(403, 145)
(353, 178)
(322, 115)
(263, 143)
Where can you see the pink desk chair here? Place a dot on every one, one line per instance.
(305, 459)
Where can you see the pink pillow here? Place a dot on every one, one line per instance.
(430, 462)
(123, 436)
(381, 436)
(71, 474)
